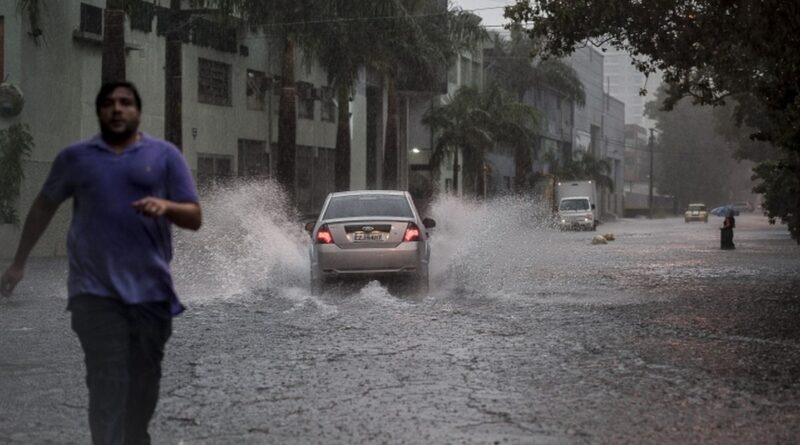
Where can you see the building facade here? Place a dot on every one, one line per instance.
(230, 87)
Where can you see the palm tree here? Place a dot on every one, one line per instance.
(426, 37)
(514, 64)
(516, 125)
(351, 27)
(461, 126)
(473, 123)
(386, 36)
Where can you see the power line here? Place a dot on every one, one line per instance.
(387, 17)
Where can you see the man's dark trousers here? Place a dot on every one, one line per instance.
(123, 346)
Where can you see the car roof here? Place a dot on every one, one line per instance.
(368, 192)
(697, 204)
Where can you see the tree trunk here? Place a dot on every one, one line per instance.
(287, 123)
(455, 172)
(523, 163)
(343, 147)
(523, 166)
(113, 64)
(390, 149)
(173, 81)
(795, 223)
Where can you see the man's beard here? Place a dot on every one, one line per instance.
(112, 136)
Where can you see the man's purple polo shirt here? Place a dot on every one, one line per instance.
(114, 251)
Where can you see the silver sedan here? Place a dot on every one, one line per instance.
(369, 234)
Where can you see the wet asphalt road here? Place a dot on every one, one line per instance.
(529, 337)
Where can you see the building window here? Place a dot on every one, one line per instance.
(91, 19)
(253, 159)
(212, 170)
(214, 83)
(305, 100)
(141, 15)
(256, 89)
(328, 106)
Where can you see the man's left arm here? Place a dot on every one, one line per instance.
(181, 203)
(187, 215)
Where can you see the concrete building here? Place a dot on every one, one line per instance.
(229, 107)
(599, 124)
(626, 83)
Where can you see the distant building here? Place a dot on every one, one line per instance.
(626, 83)
(599, 124)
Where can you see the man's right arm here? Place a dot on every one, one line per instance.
(39, 216)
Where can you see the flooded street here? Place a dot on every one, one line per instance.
(528, 335)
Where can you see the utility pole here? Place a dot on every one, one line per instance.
(651, 144)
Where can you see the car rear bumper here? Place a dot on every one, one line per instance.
(331, 260)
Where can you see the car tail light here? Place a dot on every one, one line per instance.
(412, 233)
(324, 235)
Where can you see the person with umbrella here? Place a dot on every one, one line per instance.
(726, 231)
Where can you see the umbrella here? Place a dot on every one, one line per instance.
(724, 211)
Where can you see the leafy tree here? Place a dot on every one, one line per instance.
(708, 50)
(778, 185)
(16, 144)
(694, 163)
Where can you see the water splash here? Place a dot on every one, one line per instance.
(253, 243)
(488, 246)
(250, 240)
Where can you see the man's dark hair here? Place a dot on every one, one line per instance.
(109, 88)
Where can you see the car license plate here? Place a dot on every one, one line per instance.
(372, 236)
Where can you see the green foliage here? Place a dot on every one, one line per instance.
(16, 144)
(780, 187)
(708, 50)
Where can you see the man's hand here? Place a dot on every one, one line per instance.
(11, 277)
(184, 214)
(153, 207)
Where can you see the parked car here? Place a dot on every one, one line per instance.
(369, 234)
(696, 212)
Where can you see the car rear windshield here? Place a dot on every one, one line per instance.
(368, 205)
(574, 204)
(697, 208)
